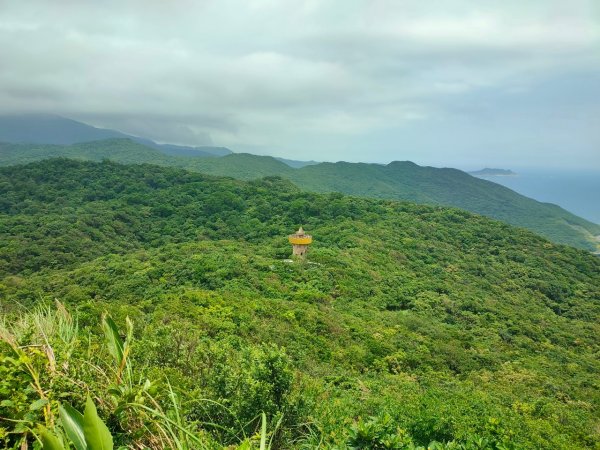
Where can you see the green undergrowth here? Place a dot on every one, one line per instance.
(407, 326)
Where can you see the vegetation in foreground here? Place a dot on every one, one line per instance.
(407, 325)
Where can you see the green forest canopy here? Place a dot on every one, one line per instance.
(397, 180)
(408, 324)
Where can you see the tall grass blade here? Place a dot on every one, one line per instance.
(175, 403)
(274, 432)
(263, 433)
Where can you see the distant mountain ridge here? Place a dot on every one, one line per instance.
(399, 180)
(297, 164)
(53, 129)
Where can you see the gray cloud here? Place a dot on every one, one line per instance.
(454, 83)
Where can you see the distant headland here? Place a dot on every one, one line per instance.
(487, 172)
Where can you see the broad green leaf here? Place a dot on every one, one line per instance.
(97, 435)
(114, 342)
(49, 440)
(245, 445)
(72, 421)
(38, 404)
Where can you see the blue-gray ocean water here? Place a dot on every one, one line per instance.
(577, 192)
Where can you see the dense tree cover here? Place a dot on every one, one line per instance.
(397, 180)
(408, 324)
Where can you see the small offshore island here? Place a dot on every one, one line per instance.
(487, 172)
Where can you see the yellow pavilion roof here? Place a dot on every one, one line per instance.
(300, 240)
(300, 237)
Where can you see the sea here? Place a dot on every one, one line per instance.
(575, 191)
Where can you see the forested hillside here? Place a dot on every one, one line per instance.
(407, 324)
(397, 180)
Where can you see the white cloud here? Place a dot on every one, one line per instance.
(279, 74)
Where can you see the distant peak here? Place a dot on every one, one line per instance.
(403, 163)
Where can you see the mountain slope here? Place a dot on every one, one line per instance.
(397, 180)
(448, 325)
(57, 130)
(408, 181)
(237, 165)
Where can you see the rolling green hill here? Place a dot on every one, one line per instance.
(408, 181)
(408, 323)
(397, 180)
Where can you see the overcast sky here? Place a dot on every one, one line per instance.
(464, 84)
